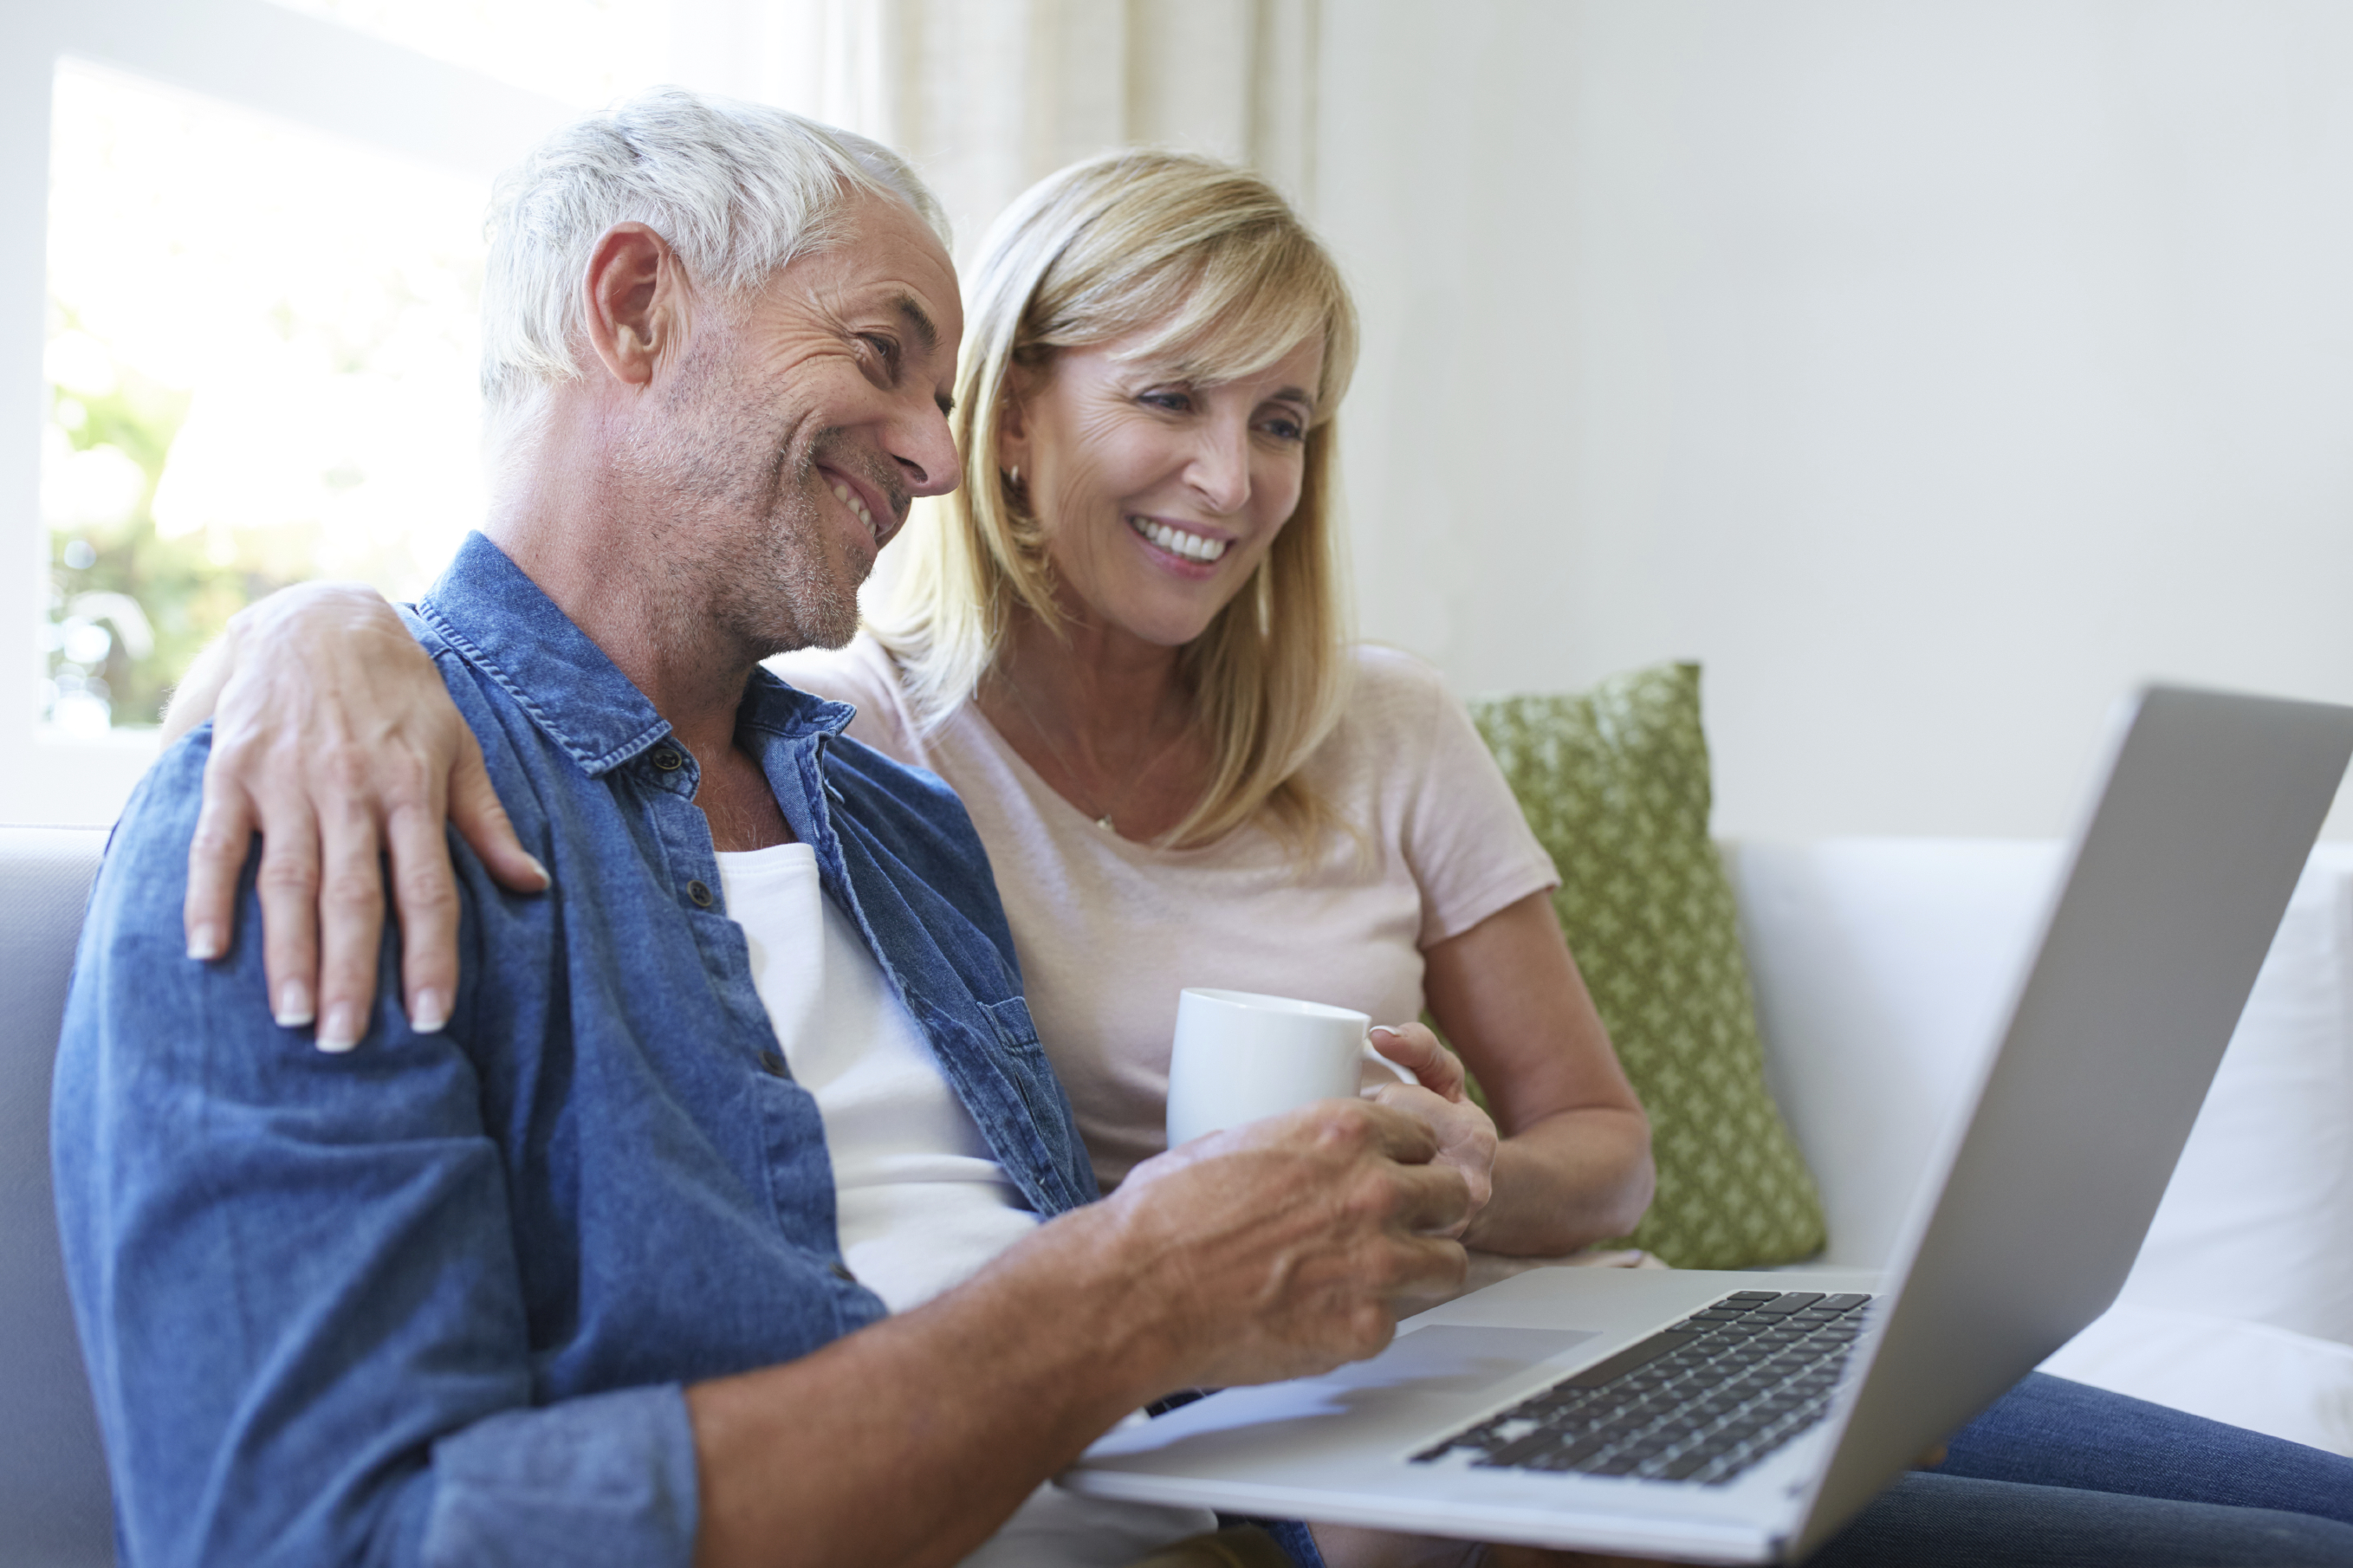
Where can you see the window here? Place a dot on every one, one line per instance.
(256, 230)
(585, 52)
(260, 368)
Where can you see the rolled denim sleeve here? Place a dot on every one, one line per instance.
(295, 1275)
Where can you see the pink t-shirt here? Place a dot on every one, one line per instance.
(1108, 931)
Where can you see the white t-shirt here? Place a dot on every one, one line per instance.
(920, 1204)
(1108, 931)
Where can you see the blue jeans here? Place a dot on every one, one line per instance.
(2060, 1474)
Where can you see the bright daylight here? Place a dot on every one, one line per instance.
(1177, 784)
(262, 366)
(261, 347)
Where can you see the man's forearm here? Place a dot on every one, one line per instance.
(911, 1441)
(1270, 1251)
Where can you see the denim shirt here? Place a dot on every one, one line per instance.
(435, 1301)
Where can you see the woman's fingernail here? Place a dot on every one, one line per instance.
(1385, 1029)
(294, 1009)
(341, 1030)
(205, 944)
(429, 1013)
(537, 865)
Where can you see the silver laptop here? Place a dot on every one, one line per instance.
(1744, 1418)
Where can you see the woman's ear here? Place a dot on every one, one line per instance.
(1012, 427)
(633, 301)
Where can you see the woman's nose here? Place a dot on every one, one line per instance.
(1221, 469)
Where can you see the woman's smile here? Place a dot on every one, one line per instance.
(1193, 546)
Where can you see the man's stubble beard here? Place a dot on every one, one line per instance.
(744, 541)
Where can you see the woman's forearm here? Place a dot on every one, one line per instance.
(1574, 1166)
(1573, 1179)
(198, 692)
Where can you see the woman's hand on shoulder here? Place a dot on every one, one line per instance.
(334, 738)
(1466, 1135)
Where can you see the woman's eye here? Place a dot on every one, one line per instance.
(1284, 429)
(1174, 402)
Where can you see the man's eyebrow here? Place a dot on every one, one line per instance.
(917, 323)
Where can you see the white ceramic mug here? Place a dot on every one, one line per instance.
(1240, 1056)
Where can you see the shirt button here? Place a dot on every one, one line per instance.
(700, 894)
(774, 1065)
(668, 758)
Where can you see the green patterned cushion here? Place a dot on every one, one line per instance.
(1615, 784)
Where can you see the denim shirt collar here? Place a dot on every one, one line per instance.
(505, 625)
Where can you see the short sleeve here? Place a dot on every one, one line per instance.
(1461, 832)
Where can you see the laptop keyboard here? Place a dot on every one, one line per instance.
(1701, 1401)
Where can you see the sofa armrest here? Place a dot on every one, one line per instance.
(53, 1489)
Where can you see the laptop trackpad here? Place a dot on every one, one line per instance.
(1450, 1359)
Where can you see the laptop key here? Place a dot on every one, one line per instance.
(1640, 1353)
(1584, 1449)
(1525, 1448)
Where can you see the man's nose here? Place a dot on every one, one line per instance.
(924, 450)
(1220, 472)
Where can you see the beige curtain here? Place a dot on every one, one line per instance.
(987, 96)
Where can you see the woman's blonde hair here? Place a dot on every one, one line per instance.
(1216, 272)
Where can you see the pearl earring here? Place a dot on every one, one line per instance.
(1014, 478)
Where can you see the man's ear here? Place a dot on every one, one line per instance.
(634, 301)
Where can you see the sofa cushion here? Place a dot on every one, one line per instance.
(1615, 783)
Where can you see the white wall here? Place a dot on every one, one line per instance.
(1931, 372)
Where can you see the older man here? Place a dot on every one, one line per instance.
(552, 1272)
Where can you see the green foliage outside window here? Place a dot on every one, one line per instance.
(128, 607)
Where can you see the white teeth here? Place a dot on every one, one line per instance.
(849, 498)
(1177, 542)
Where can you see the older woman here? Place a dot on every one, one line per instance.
(1120, 641)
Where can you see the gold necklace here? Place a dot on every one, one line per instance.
(1104, 819)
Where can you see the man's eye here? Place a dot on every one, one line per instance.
(884, 348)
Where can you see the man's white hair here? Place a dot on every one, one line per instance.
(738, 190)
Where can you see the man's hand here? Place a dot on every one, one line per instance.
(334, 738)
(1275, 1251)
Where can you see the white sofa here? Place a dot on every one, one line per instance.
(1881, 970)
